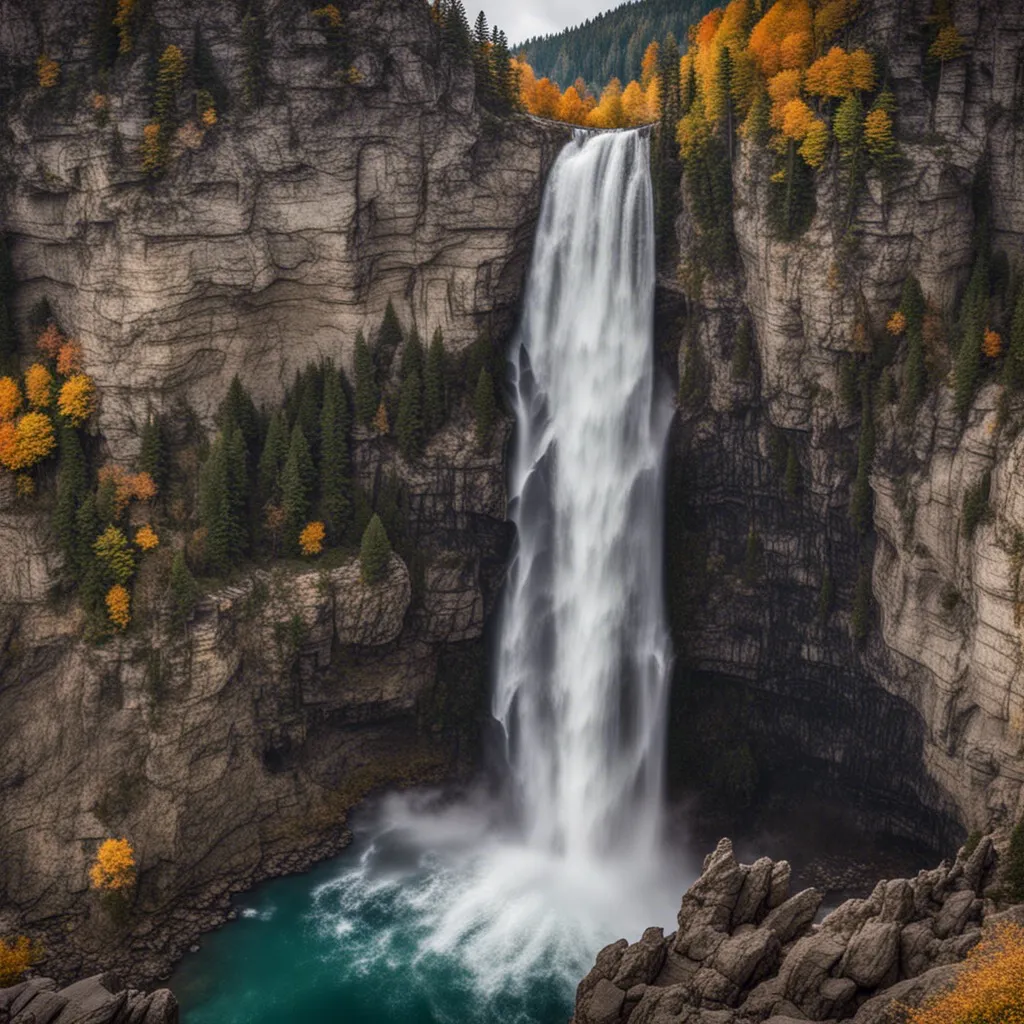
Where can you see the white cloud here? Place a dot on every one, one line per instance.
(522, 19)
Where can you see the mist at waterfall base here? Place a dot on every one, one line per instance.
(487, 909)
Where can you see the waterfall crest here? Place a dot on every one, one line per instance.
(584, 652)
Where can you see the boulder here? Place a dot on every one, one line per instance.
(754, 892)
(789, 919)
(872, 953)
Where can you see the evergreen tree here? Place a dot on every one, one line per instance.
(311, 396)
(374, 551)
(87, 567)
(335, 469)
(434, 409)
(238, 493)
(183, 590)
(506, 84)
(914, 376)
(860, 502)
(238, 409)
(153, 452)
(256, 55)
(367, 396)
(456, 39)
(485, 409)
(275, 452)
(409, 424)
(105, 41)
(297, 482)
(1013, 370)
(215, 508)
(665, 163)
(71, 490)
(482, 69)
(973, 317)
(389, 340)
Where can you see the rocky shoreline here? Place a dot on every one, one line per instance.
(747, 951)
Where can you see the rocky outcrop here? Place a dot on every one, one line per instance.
(920, 724)
(102, 999)
(746, 951)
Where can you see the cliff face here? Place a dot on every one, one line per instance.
(231, 750)
(921, 724)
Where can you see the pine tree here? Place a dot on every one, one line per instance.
(297, 482)
(238, 409)
(912, 307)
(183, 590)
(374, 551)
(238, 493)
(389, 340)
(482, 69)
(205, 73)
(87, 567)
(275, 452)
(434, 410)
(311, 396)
(485, 409)
(1013, 370)
(409, 423)
(256, 55)
(367, 396)
(973, 320)
(71, 489)
(335, 469)
(456, 39)
(153, 452)
(506, 85)
(215, 506)
(860, 501)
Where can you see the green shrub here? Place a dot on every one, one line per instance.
(374, 551)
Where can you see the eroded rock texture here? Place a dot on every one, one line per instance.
(231, 750)
(89, 1001)
(746, 951)
(922, 725)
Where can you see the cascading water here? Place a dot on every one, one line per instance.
(453, 913)
(584, 651)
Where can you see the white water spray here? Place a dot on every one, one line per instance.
(584, 650)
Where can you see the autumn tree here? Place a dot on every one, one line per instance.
(77, 399)
(571, 108)
(113, 870)
(118, 602)
(39, 386)
(17, 955)
(115, 554)
(948, 45)
(609, 111)
(146, 538)
(374, 551)
(311, 539)
(10, 398)
(634, 105)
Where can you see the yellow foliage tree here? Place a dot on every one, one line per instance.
(897, 323)
(878, 135)
(380, 420)
(29, 441)
(796, 50)
(113, 870)
(10, 398)
(311, 539)
(146, 537)
(992, 343)
(797, 120)
(608, 113)
(77, 398)
(838, 73)
(634, 105)
(111, 548)
(544, 99)
(151, 150)
(948, 44)
(119, 606)
(815, 145)
(989, 988)
(24, 485)
(122, 21)
(649, 64)
(783, 88)
(17, 955)
(47, 71)
(571, 108)
(783, 19)
(39, 386)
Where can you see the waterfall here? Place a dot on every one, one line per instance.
(457, 912)
(584, 653)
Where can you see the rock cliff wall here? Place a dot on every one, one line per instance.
(232, 751)
(920, 725)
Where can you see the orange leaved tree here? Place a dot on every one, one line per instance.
(113, 870)
(16, 957)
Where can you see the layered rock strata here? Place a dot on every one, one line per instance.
(102, 999)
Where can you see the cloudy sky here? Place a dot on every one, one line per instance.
(522, 19)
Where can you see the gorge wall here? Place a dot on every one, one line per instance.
(233, 751)
(917, 726)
